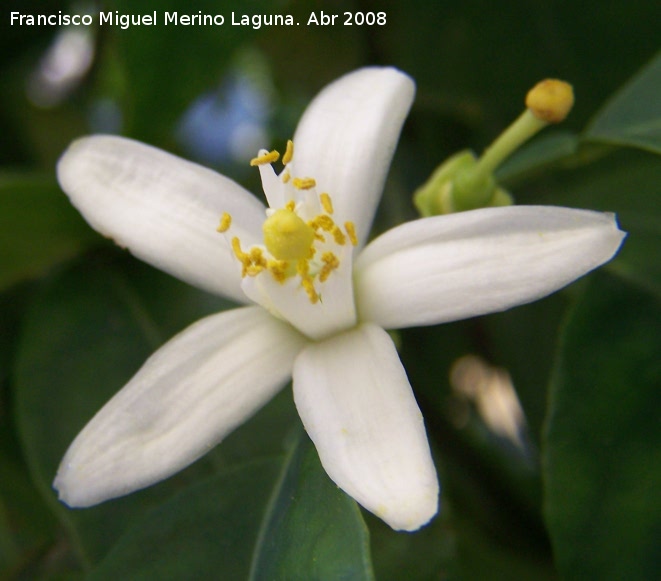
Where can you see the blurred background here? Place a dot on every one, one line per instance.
(544, 419)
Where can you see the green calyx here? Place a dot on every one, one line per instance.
(457, 185)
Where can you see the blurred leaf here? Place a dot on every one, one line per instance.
(264, 520)
(633, 116)
(523, 341)
(626, 183)
(429, 553)
(206, 532)
(38, 227)
(27, 527)
(537, 156)
(86, 332)
(490, 495)
(166, 67)
(311, 530)
(603, 443)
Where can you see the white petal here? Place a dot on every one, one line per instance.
(191, 393)
(333, 312)
(164, 209)
(452, 267)
(356, 403)
(347, 137)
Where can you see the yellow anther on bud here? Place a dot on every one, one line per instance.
(287, 236)
(304, 183)
(550, 100)
(225, 223)
(289, 153)
(326, 203)
(351, 232)
(270, 157)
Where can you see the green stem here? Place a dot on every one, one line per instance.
(525, 126)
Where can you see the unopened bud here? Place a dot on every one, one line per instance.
(550, 100)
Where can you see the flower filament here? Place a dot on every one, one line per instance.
(301, 239)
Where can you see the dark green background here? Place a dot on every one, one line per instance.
(77, 316)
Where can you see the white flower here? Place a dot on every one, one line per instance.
(316, 312)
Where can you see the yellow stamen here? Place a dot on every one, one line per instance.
(325, 223)
(266, 158)
(225, 223)
(351, 232)
(286, 176)
(278, 269)
(289, 153)
(331, 262)
(304, 183)
(326, 203)
(307, 284)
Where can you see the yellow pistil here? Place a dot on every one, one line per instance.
(289, 152)
(304, 183)
(326, 203)
(287, 236)
(270, 157)
(225, 223)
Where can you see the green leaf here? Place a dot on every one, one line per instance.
(226, 526)
(312, 530)
(537, 156)
(27, 527)
(633, 116)
(603, 443)
(86, 332)
(38, 227)
(206, 532)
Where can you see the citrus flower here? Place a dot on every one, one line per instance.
(317, 297)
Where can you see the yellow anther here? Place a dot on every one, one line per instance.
(322, 222)
(257, 257)
(331, 262)
(306, 283)
(339, 236)
(266, 158)
(287, 236)
(291, 205)
(278, 269)
(551, 100)
(289, 153)
(236, 247)
(225, 223)
(326, 203)
(350, 227)
(304, 183)
(286, 176)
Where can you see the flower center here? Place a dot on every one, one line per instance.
(287, 236)
(301, 239)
